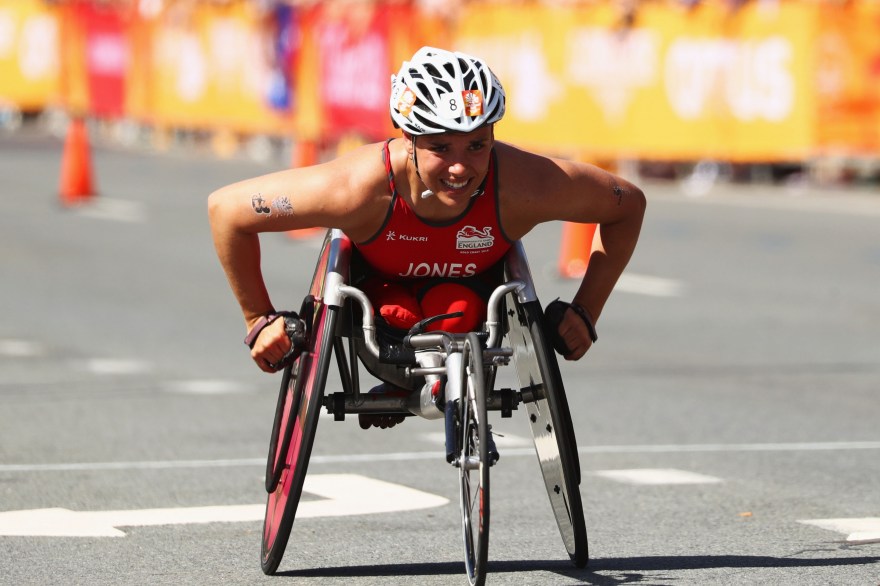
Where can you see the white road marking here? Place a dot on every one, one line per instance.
(657, 476)
(761, 447)
(144, 465)
(111, 366)
(206, 387)
(646, 285)
(502, 440)
(857, 529)
(846, 202)
(427, 455)
(20, 348)
(343, 495)
(119, 210)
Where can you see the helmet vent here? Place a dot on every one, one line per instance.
(424, 91)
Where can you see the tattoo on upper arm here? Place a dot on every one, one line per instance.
(281, 205)
(259, 204)
(618, 191)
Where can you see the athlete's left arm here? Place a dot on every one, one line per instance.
(569, 191)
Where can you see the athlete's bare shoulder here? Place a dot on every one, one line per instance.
(357, 173)
(523, 179)
(535, 188)
(355, 193)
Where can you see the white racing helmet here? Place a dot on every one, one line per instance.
(441, 91)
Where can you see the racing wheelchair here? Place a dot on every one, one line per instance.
(450, 377)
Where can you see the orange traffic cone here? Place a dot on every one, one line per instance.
(574, 254)
(305, 154)
(76, 165)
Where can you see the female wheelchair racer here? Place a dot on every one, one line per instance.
(445, 195)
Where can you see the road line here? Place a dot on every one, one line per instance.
(145, 465)
(342, 495)
(646, 285)
(206, 387)
(117, 210)
(503, 441)
(762, 447)
(20, 348)
(857, 529)
(657, 476)
(427, 455)
(850, 203)
(113, 366)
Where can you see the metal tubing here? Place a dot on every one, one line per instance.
(369, 325)
(492, 323)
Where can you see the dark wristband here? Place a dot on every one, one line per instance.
(587, 320)
(261, 325)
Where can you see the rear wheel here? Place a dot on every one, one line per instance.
(296, 421)
(550, 422)
(474, 462)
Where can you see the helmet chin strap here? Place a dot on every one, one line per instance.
(428, 193)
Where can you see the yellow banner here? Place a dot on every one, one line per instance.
(769, 81)
(673, 84)
(29, 69)
(208, 66)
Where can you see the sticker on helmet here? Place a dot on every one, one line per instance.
(473, 102)
(451, 105)
(405, 102)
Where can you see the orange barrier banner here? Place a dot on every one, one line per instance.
(848, 79)
(29, 66)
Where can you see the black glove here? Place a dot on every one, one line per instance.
(553, 314)
(295, 328)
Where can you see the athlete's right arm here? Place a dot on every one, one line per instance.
(331, 195)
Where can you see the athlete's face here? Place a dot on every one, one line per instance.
(453, 164)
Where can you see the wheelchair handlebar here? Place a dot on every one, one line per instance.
(432, 339)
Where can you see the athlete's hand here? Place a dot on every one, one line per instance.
(574, 333)
(271, 346)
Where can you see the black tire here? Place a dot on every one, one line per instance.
(550, 422)
(297, 415)
(474, 463)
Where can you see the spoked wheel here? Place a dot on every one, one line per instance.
(550, 420)
(296, 420)
(474, 462)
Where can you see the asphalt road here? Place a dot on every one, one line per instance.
(727, 419)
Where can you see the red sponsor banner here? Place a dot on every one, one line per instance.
(355, 70)
(107, 59)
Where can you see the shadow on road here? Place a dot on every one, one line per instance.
(628, 569)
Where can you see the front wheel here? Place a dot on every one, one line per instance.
(473, 461)
(550, 422)
(293, 434)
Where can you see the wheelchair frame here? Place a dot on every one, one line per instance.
(463, 364)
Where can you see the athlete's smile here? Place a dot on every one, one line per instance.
(455, 185)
